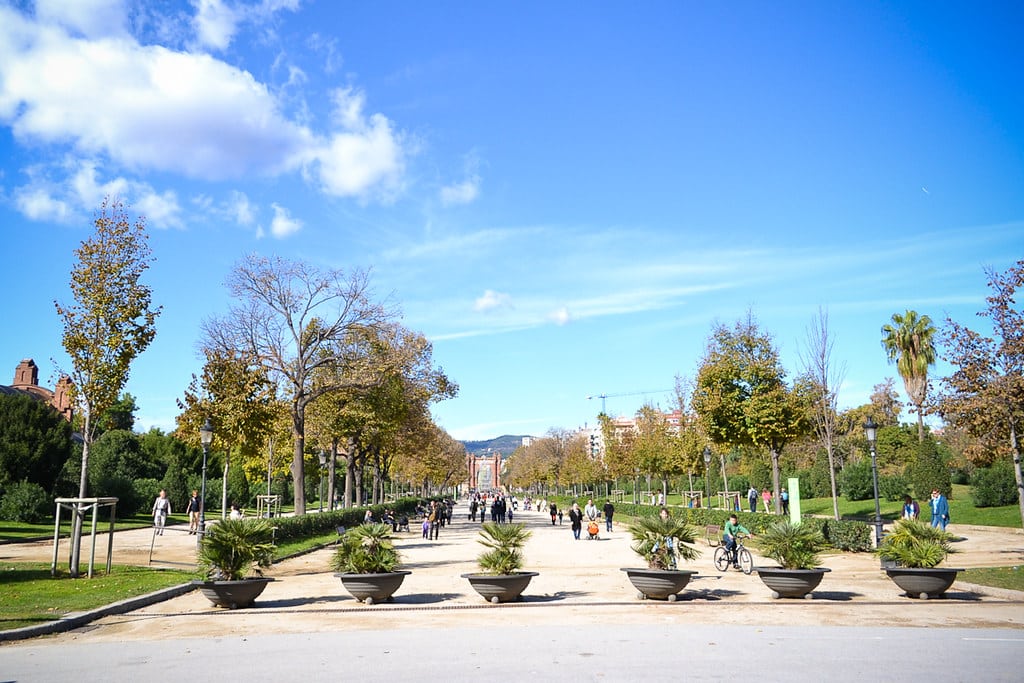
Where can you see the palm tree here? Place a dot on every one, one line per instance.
(910, 341)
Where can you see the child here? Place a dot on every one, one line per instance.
(426, 528)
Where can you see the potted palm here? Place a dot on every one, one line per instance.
(797, 548)
(660, 541)
(367, 563)
(500, 578)
(916, 549)
(229, 551)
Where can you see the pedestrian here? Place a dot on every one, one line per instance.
(590, 511)
(940, 510)
(911, 510)
(560, 512)
(576, 520)
(784, 497)
(767, 498)
(235, 513)
(193, 513)
(752, 498)
(435, 520)
(161, 508)
(554, 513)
(426, 529)
(609, 511)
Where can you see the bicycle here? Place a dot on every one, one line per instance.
(740, 556)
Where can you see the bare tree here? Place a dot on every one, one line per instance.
(294, 318)
(825, 376)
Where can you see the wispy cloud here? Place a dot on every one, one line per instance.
(491, 300)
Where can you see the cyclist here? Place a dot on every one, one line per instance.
(733, 527)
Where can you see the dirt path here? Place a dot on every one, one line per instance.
(579, 583)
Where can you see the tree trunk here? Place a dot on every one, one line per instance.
(920, 425)
(83, 486)
(298, 467)
(350, 477)
(330, 472)
(775, 479)
(829, 450)
(224, 487)
(1015, 446)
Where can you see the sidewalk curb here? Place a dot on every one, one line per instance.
(75, 620)
(1001, 593)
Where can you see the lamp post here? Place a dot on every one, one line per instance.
(871, 432)
(205, 437)
(707, 474)
(323, 461)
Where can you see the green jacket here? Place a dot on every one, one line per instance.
(733, 529)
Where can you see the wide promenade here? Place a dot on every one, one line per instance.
(580, 620)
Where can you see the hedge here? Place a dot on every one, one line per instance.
(305, 526)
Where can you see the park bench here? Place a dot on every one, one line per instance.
(713, 534)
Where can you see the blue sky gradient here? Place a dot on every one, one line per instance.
(564, 197)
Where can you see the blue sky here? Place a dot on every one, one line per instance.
(563, 196)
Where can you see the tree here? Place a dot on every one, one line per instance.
(238, 398)
(740, 395)
(111, 322)
(825, 378)
(885, 403)
(910, 342)
(293, 318)
(35, 441)
(985, 393)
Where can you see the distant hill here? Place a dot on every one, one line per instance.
(503, 444)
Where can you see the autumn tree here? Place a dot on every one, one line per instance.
(110, 322)
(910, 342)
(741, 397)
(824, 377)
(236, 395)
(985, 394)
(293, 317)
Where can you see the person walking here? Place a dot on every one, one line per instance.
(767, 498)
(161, 508)
(752, 498)
(576, 520)
(940, 510)
(553, 509)
(590, 511)
(784, 498)
(609, 511)
(911, 510)
(193, 509)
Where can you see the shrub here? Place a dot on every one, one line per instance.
(993, 486)
(793, 546)
(26, 502)
(857, 481)
(893, 487)
(366, 549)
(912, 543)
(504, 543)
(848, 535)
(929, 471)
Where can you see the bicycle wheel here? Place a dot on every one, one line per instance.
(746, 561)
(721, 559)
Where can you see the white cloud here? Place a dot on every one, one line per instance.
(469, 189)
(39, 205)
(560, 316)
(89, 18)
(461, 193)
(365, 153)
(241, 209)
(283, 224)
(215, 23)
(181, 113)
(491, 301)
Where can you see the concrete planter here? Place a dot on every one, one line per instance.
(371, 588)
(659, 584)
(233, 594)
(500, 587)
(791, 583)
(924, 583)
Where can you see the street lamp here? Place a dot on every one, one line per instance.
(707, 473)
(323, 461)
(871, 432)
(206, 437)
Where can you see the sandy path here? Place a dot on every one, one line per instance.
(579, 583)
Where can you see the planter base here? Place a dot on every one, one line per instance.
(233, 594)
(923, 583)
(500, 587)
(658, 584)
(371, 588)
(791, 583)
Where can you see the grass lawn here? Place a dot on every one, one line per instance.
(29, 595)
(997, 577)
(19, 532)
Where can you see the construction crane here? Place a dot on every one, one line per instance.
(604, 397)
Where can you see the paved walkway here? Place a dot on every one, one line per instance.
(579, 583)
